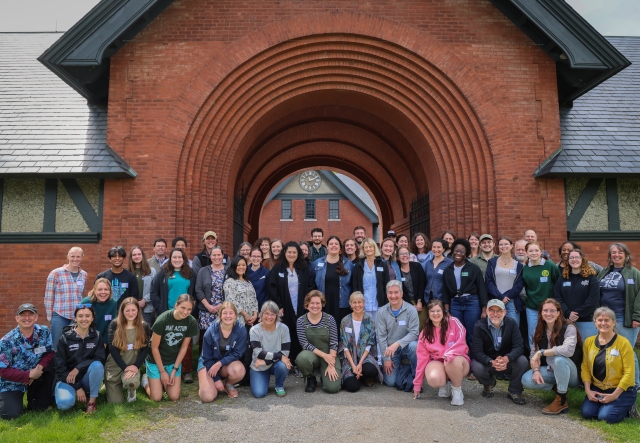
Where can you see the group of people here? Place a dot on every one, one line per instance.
(354, 313)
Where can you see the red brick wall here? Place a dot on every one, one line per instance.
(298, 229)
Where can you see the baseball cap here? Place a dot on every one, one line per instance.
(483, 236)
(391, 233)
(27, 307)
(496, 302)
(209, 234)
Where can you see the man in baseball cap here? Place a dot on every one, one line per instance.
(498, 349)
(486, 253)
(26, 363)
(203, 258)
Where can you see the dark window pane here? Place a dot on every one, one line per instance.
(334, 210)
(286, 209)
(309, 209)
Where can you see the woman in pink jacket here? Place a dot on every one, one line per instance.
(442, 354)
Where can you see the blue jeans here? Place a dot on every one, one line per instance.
(408, 352)
(565, 375)
(260, 379)
(586, 329)
(511, 312)
(91, 382)
(467, 310)
(57, 324)
(532, 322)
(613, 412)
(630, 334)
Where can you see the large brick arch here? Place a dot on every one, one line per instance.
(435, 102)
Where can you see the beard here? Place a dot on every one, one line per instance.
(521, 258)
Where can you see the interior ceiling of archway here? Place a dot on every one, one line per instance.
(426, 98)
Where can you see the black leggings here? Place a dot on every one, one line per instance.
(352, 384)
(39, 396)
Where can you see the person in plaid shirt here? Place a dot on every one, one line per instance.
(64, 290)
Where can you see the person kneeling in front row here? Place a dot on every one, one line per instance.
(397, 327)
(26, 354)
(498, 349)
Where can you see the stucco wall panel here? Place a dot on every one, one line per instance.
(23, 205)
(629, 203)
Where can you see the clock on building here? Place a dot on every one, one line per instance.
(310, 181)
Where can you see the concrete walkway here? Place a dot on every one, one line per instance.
(372, 414)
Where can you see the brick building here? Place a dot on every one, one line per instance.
(164, 118)
(318, 199)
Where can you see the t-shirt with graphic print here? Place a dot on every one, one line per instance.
(172, 333)
(612, 291)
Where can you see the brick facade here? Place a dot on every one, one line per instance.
(448, 98)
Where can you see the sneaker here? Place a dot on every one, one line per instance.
(297, 372)
(471, 376)
(280, 392)
(487, 392)
(145, 381)
(457, 398)
(633, 412)
(445, 391)
(312, 383)
(516, 398)
(91, 408)
(131, 393)
(232, 392)
(188, 378)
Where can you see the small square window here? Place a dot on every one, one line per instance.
(286, 210)
(334, 209)
(310, 209)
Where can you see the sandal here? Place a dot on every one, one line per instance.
(91, 408)
(232, 392)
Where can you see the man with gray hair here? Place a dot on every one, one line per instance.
(397, 328)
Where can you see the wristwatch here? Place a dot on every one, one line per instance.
(490, 361)
(542, 352)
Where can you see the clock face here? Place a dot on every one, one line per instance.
(310, 181)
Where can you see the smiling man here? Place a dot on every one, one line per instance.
(25, 354)
(123, 283)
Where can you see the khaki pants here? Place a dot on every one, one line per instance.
(114, 377)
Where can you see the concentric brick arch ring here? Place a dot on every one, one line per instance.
(445, 133)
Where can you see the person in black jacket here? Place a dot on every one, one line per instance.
(123, 283)
(414, 281)
(369, 264)
(578, 292)
(79, 361)
(498, 349)
(464, 291)
(290, 280)
(203, 258)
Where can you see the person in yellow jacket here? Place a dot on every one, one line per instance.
(608, 372)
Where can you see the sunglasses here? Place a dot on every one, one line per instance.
(83, 305)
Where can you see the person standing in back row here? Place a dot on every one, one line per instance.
(203, 258)
(159, 254)
(318, 250)
(486, 253)
(123, 283)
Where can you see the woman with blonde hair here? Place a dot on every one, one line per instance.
(129, 337)
(105, 307)
(370, 276)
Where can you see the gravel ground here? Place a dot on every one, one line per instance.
(374, 414)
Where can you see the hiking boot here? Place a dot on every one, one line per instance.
(188, 378)
(516, 398)
(487, 392)
(312, 383)
(556, 407)
(445, 391)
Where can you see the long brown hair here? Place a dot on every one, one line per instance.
(428, 330)
(120, 335)
(144, 264)
(185, 271)
(414, 247)
(541, 328)
(93, 293)
(585, 268)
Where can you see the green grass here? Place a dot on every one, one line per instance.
(628, 431)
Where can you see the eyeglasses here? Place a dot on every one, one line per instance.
(83, 305)
(404, 254)
(549, 311)
(575, 258)
(439, 311)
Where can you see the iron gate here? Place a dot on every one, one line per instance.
(238, 219)
(419, 216)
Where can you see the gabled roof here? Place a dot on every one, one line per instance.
(601, 132)
(583, 57)
(47, 128)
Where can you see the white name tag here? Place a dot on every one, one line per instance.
(499, 339)
(631, 281)
(130, 347)
(107, 317)
(440, 271)
(567, 283)
(40, 350)
(124, 285)
(402, 278)
(321, 265)
(615, 353)
(402, 323)
(80, 282)
(228, 347)
(512, 271)
(379, 269)
(281, 274)
(349, 330)
(544, 279)
(262, 277)
(224, 260)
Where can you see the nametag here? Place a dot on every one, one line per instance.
(499, 339)
(264, 276)
(402, 323)
(379, 269)
(349, 330)
(228, 347)
(615, 353)
(440, 271)
(631, 281)
(567, 283)
(544, 279)
(107, 317)
(512, 271)
(40, 350)
(402, 278)
(320, 265)
(80, 282)
(124, 285)
(464, 274)
(130, 347)
(281, 274)
(224, 260)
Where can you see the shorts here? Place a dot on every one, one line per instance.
(152, 370)
(200, 364)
